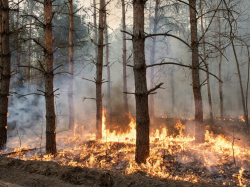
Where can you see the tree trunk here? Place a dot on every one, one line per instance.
(95, 29)
(109, 110)
(207, 68)
(124, 59)
(29, 55)
(220, 83)
(152, 61)
(141, 93)
(5, 86)
(237, 63)
(199, 128)
(71, 67)
(18, 49)
(172, 88)
(99, 66)
(29, 47)
(1, 64)
(49, 93)
(248, 76)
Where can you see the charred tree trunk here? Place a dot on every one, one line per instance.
(71, 67)
(5, 85)
(99, 66)
(49, 93)
(220, 63)
(199, 128)
(109, 110)
(141, 93)
(152, 61)
(124, 59)
(207, 68)
(95, 29)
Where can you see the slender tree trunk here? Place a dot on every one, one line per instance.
(124, 59)
(152, 61)
(199, 128)
(49, 93)
(109, 112)
(237, 62)
(1, 64)
(141, 93)
(71, 67)
(95, 28)
(29, 55)
(29, 47)
(172, 87)
(248, 76)
(18, 53)
(207, 68)
(99, 66)
(220, 83)
(5, 86)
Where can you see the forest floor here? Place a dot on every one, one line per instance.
(15, 173)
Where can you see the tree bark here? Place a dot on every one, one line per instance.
(5, 85)
(71, 68)
(95, 29)
(49, 93)
(152, 61)
(207, 68)
(124, 59)
(99, 66)
(141, 93)
(220, 63)
(199, 128)
(109, 109)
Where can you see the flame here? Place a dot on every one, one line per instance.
(240, 176)
(241, 118)
(116, 151)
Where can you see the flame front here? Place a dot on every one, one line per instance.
(116, 151)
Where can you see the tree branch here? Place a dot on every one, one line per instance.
(155, 88)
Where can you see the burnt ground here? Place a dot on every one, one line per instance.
(38, 174)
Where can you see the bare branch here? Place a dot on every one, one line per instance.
(38, 43)
(41, 65)
(89, 80)
(183, 65)
(88, 98)
(127, 33)
(155, 88)
(32, 67)
(188, 5)
(57, 67)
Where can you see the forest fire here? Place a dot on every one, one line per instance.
(172, 156)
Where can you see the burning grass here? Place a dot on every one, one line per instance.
(220, 160)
